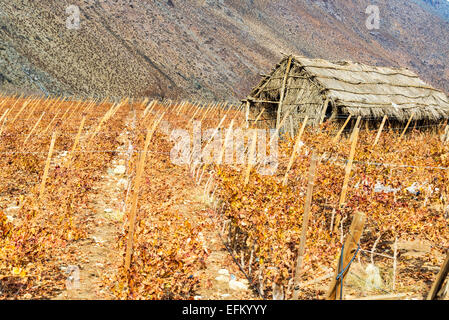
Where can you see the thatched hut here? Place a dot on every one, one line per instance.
(325, 90)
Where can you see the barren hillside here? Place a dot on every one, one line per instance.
(214, 49)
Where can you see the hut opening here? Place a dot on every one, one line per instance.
(331, 91)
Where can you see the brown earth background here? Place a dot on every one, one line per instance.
(209, 49)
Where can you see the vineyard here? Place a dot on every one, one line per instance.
(96, 187)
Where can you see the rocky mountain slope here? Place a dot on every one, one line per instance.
(214, 49)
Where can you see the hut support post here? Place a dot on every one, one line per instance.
(282, 95)
(323, 112)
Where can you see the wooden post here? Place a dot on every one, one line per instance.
(225, 143)
(47, 165)
(305, 225)
(195, 113)
(257, 119)
(292, 129)
(441, 276)
(80, 129)
(282, 95)
(66, 111)
(31, 112)
(105, 118)
(132, 217)
(349, 167)
(4, 114)
(395, 257)
(350, 247)
(380, 130)
(323, 112)
(280, 125)
(341, 130)
(252, 151)
(295, 150)
(406, 127)
(34, 128)
(247, 114)
(19, 112)
(206, 112)
(74, 110)
(51, 122)
(357, 123)
(3, 120)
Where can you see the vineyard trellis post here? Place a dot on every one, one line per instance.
(356, 126)
(341, 130)
(47, 165)
(77, 138)
(439, 281)
(350, 249)
(380, 130)
(349, 168)
(295, 150)
(140, 170)
(344, 189)
(407, 125)
(305, 225)
(251, 154)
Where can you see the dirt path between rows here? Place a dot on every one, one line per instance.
(97, 257)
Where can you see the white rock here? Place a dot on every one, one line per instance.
(222, 278)
(225, 295)
(119, 170)
(223, 272)
(197, 297)
(97, 240)
(237, 285)
(122, 183)
(373, 279)
(12, 208)
(10, 219)
(108, 210)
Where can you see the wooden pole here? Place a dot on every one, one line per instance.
(51, 122)
(323, 111)
(357, 123)
(47, 165)
(247, 114)
(305, 225)
(350, 247)
(257, 119)
(132, 217)
(3, 120)
(341, 130)
(282, 95)
(31, 112)
(78, 135)
(295, 150)
(225, 143)
(34, 128)
(406, 127)
(380, 130)
(349, 167)
(441, 276)
(252, 151)
(19, 112)
(280, 126)
(395, 257)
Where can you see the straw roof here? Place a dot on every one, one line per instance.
(372, 92)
